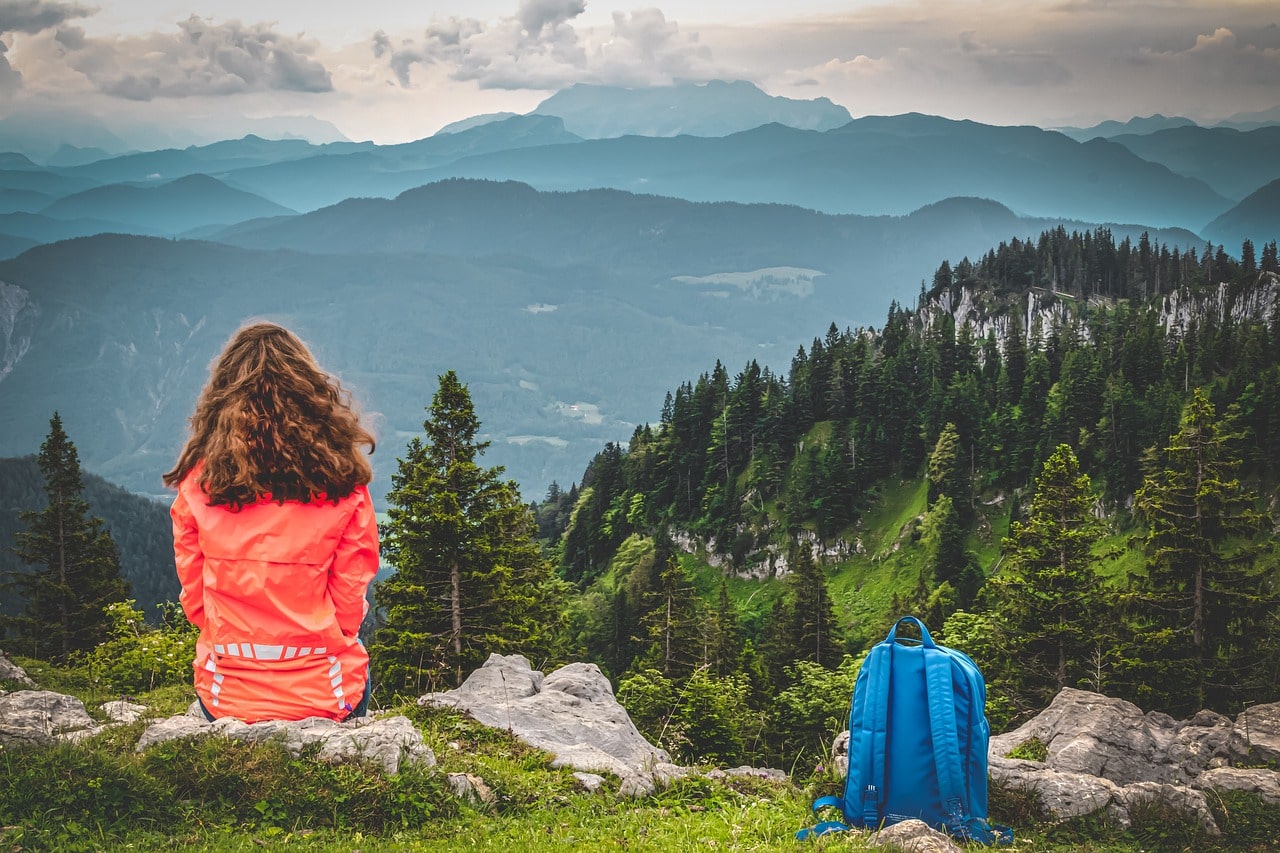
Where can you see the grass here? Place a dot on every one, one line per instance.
(218, 795)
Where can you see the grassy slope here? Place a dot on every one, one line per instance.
(241, 798)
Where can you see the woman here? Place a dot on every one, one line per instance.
(274, 535)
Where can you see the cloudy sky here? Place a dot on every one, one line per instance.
(392, 71)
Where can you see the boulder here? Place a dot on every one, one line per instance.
(123, 712)
(1105, 753)
(1264, 784)
(1259, 727)
(1095, 735)
(42, 717)
(385, 741)
(570, 713)
(915, 836)
(10, 671)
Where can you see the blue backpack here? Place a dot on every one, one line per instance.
(917, 742)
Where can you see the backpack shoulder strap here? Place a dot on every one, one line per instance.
(874, 744)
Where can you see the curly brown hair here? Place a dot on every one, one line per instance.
(271, 424)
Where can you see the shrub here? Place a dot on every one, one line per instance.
(137, 657)
(1031, 749)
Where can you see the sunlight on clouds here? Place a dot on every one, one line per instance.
(539, 48)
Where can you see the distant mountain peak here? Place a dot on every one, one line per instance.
(711, 108)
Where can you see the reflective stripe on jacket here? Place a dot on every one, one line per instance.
(278, 593)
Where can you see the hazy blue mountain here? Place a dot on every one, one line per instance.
(889, 165)
(23, 201)
(715, 108)
(17, 162)
(570, 315)
(214, 159)
(71, 155)
(1233, 162)
(50, 183)
(1137, 125)
(38, 132)
(1253, 120)
(171, 208)
(1257, 218)
(388, 170)
(46, 229)
(474, 121)
(11, 247)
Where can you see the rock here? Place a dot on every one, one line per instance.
(915, 836)
(570, 713)
(1062, 793)
(10, 671)
(590, 781)
(469, 787)
(840, 753)
(43, 717)
(1259, 727)
(1105, 753)
(1177, 797)
(123, 712)
(1095, 735)
(385, 741)
(766, 773)
(1264, 784)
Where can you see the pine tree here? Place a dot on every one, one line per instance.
(470, 579)
(1048, 600)
(77, 570)
(814, 634)
(1204, 614)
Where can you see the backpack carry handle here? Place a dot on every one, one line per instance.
(925, 639)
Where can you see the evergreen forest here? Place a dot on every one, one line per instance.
(1064, 458)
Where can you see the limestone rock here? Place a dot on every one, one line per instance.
(1259, 727)
(590, 782)
(1178, 797)
(570, 713)
(469, 787)
(10, 671)
(915, 836)
(385, 741)
(1095, 735)
(1264, 784)
(123, 712)
(840, 753)
(42, 717)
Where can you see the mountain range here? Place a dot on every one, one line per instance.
(570, 315)
(570, 279)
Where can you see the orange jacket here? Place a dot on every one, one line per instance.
(278, 593)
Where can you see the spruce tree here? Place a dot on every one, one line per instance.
(1204, 614)
(77, 570)
(1047, 600)
(470, 578)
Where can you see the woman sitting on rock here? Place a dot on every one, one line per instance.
(274, 535)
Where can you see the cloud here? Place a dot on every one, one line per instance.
(1011, 67)
(33, 16)
(10, 79)
(841, 71)
(1222, 56)
(540, 48)
(201, 58)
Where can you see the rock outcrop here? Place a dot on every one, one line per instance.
(386, 741)
(1106, 754)
(42, 717)
(10, 671)
(570, 713)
